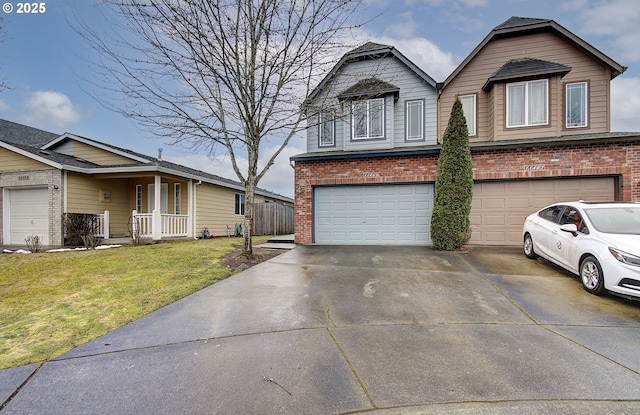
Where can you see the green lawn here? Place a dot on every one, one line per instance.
(52, 302)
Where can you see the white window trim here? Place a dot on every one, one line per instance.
(368, 135)
(239, 203)
(586, 105)
(408, 119)
(324, 119)
(177, 194)
(472, 129)
(526, 104)
(139, 198)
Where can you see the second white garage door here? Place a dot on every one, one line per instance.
(376, 214)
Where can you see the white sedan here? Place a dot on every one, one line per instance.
(598, 241)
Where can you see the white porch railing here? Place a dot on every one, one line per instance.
(170, 226)
(102, 225)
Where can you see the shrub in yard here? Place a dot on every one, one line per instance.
(34, 243)
(450, 228)
(80, 229)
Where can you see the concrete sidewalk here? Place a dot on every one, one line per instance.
(382, 330)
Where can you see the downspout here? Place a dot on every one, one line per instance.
(195, 222)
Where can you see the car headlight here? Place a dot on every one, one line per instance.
(624, 257)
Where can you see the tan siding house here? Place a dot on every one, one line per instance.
(45, 176)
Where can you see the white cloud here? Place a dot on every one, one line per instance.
(3, 105)
(50, 108)
(625, 104)
(617, 19)
(425, 54)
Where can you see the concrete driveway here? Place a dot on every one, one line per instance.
(381, 330)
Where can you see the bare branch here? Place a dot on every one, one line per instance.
(228, 73)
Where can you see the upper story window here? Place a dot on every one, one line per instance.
(576, 105)
(527, 103)
(367, 119)
(326, 130)
(469, 109)
(415, 120)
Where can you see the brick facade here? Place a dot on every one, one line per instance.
(621, 160)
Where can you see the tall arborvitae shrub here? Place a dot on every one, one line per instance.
(454, 186)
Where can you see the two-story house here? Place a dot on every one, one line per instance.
(537, 102)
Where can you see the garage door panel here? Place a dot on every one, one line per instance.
(423, 221)
(394, 214)
(494, 220)
(495, 203)
(492, 224)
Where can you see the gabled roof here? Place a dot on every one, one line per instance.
(14, 133)
(370, 87)
(102, 146)
(525, 68)
(370, 50)
(517, 26)
(40, 146)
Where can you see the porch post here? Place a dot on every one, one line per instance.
(156, 219)
(106, 224)
(189, 212)
(156, 225)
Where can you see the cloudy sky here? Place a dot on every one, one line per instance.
(43, 61)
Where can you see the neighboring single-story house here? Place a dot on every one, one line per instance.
(44, 176)
(537, 103)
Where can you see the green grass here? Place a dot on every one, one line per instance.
(53, 302)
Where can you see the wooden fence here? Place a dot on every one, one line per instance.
(272, 219)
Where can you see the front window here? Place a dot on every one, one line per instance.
(576, 105)
(415, 120)
(176, 194)
(527, 103)
(469, 109)
(139, 198)
(239, 204)
(367, 119)
(326, 130)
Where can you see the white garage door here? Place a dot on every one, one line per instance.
(28, 214)
(376, 214)
(499, 208)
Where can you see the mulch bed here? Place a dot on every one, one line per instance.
(236, 261)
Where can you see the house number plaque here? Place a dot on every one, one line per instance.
(534, 167)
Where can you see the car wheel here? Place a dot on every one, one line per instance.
(528, 247)
(591, 275)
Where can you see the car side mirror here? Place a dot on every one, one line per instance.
(569, 227)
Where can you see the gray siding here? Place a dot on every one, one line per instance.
(391, 70)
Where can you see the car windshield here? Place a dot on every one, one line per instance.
(622, 220)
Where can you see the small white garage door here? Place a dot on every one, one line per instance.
(28, 214)
(499, 208)
(376, 214)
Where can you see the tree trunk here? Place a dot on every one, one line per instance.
(247, 227)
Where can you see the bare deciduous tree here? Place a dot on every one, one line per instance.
(228, 73)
